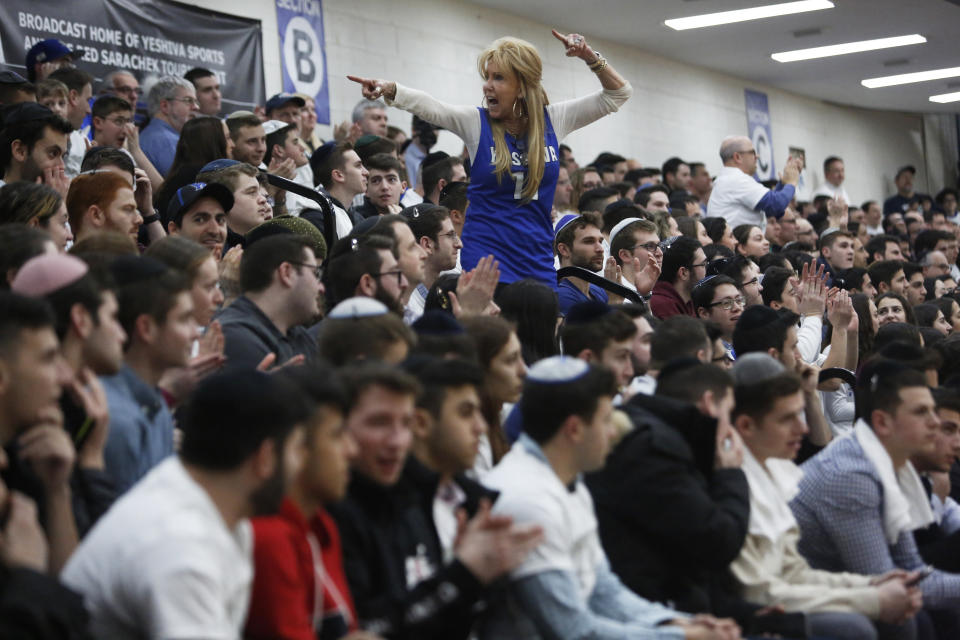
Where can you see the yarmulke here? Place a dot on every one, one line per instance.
(365, 226)
(677, 365)
(417, 210)
(289, 224)
(433, 158)
(321, 154)
(619, 204)
(26, 112)
(366, 139)
(132, 269)
(358, 307)
(754, 368)
(437, 323)
(564, 221)
(619, 227)
(240, 114)
(216, 165)
(587, 311)
(557, 369)
(44, 274)
(272, 126)
(757, 316)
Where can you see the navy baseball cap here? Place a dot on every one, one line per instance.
(49, 50)
(11, 77)
(281, 99)
(186, 196)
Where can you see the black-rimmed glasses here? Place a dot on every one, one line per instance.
(398, 273)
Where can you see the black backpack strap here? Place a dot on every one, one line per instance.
(322, 200)
(607, 285)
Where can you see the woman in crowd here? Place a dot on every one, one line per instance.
(693, 228)
(499, 354)
(893, 307)
(930, 315)
(513, 144)
(203, 139)
(720, 232)
(532, 306)
(36, 205)
(750, 241)
(198, 264)
(950, 309)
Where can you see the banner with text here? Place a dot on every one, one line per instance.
(758, 129)
(152, 38)
(303, 51)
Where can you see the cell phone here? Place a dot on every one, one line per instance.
(923, 575)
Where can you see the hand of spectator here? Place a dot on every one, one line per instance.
(893, 574)
(476, 287)
(812, 291)
(373, 89)
(773, 609)
(55, 178)
(48, 449)
(266, 365)
(941, 484)
(283, 168)
(612, 272)
(729, 448)
(132, 136)
(22, 542)
(88, 393)
(490, 545)
(229, 271)
(706, 627)
(144, 192)
(645, 276)
(840, 311)
(809, 375)
(576, 46)
(791, 171)
(180, 382)
(212, 340)
(898, 602)
(837, 213)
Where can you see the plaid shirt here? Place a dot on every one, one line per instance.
(840, 512)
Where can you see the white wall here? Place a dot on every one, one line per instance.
(677, 109)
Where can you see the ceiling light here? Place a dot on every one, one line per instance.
(946, 97)
(742, 15)
(908, 78)
(849, 47)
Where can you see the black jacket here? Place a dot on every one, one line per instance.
(387, 531)
(668, 521)
(34, 606)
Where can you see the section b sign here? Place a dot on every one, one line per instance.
(300, 23)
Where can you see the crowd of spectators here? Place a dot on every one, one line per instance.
(257, 384)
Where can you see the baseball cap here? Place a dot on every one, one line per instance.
(11, 77)
(280, 99)
(51, 49)
(186, 196)
(908, 167)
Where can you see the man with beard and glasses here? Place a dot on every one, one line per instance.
(366, 266)
(280, 280)
(172, 559)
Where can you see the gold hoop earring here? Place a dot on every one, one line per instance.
(515, 110)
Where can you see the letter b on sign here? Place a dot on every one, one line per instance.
(303, 57)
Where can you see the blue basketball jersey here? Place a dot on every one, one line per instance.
(519, 234)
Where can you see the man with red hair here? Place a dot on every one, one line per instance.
(102, 201)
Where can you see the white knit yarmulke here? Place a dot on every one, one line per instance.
(557, 369)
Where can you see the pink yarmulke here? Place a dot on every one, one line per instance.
(47, 273)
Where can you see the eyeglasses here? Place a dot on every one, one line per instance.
(451, 235)
(724, 359)
(398, 273)
(193, 102)
(750, 282)
(727, 304)
(748, 152)
(316, 268)
(700, 264)
(649, 247)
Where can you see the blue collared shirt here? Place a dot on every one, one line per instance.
(159, 143)
(141, 428)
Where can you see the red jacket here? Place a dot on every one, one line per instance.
(299, 590)
(666, 302)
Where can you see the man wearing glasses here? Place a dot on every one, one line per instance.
(738, 197)
(172, 101)
(633, 242)
(684, 265)
(717, 298)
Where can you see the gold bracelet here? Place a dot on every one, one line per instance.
(599, 66)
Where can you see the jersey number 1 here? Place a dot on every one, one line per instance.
(518, 186)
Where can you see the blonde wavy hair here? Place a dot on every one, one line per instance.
(519, 57)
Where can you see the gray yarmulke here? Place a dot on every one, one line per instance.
(754, 368)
